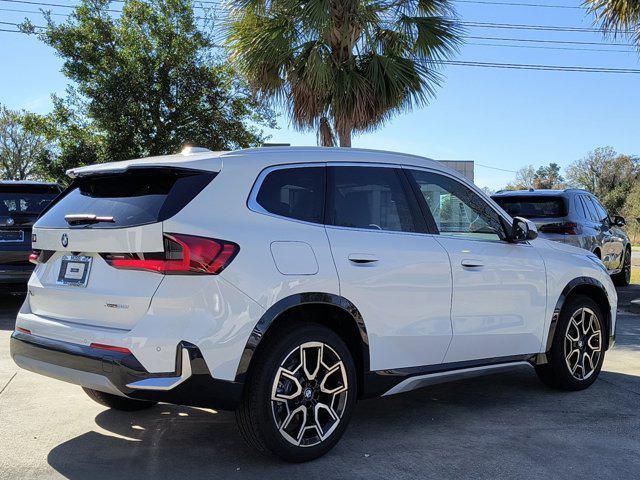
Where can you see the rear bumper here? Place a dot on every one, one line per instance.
(122, 374)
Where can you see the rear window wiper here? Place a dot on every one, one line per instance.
(86, 219)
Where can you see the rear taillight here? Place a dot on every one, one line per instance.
(565, 228)
(40, 256)
(183, 254)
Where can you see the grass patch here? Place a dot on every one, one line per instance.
(635, 276)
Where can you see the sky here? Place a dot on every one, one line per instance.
(502, 119)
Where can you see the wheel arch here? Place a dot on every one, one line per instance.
(586, 286)
(333, 311)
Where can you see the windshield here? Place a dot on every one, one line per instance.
(25, 199)
(533, 206)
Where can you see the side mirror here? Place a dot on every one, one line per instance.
(523, 230)
(619, 221)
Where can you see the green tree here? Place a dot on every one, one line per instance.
(21, 149)
(145, 83)
(548, 177)
(342, 66)
(72, 140)
(607, 174)
(619, 17)
(631, 212)
(525, 179)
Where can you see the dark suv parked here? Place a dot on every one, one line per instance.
(21, 202)
(576, 217)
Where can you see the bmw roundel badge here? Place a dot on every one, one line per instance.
(64, 240)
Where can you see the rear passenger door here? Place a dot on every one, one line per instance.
(396, 274)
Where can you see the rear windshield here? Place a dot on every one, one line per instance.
(533, 206)
(26, 199)
(132, 198)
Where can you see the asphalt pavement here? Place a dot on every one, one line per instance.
(501, 426)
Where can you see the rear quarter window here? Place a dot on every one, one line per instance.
(296, 193)
(134, 197)
(533, 206)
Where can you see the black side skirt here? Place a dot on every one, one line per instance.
(378, 382)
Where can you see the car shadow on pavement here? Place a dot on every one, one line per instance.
(629, 298)
(504, 426)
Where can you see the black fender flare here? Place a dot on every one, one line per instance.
(285, 304)
(566, 292)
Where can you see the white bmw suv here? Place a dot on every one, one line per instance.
(287, 283)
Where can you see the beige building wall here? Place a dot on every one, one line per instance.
(465, 167)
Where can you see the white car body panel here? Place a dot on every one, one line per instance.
(418, 304)
(499, 301)
(145, 238)
(403, 295)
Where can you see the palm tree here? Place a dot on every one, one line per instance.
(342, 66)
(617, 16)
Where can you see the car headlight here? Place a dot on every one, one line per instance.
(598, 262)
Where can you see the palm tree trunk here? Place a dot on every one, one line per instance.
(345, 137)
(325, 134)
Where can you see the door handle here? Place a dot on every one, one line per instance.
(471, 263)
(362, 258)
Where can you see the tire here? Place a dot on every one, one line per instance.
(271, 426)
(558, 372)
(117, 402)
(623, 278)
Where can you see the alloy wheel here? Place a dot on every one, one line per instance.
(309, 394)
(583, 343)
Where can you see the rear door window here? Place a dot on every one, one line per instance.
(135, 197)
(296, 193)
(600, 210)
(372, 198)
(531, 206)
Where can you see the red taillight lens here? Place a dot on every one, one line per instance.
(182, 254)
(40, 256)
(110, 348)
(33, 258)
(566, 228)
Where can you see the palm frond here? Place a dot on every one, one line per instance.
(618, 17)
(350, 64)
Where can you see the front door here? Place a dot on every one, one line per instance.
(499, 288)
(396, 274)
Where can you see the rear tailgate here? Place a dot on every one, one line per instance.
(120, 214)
(108, 297)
